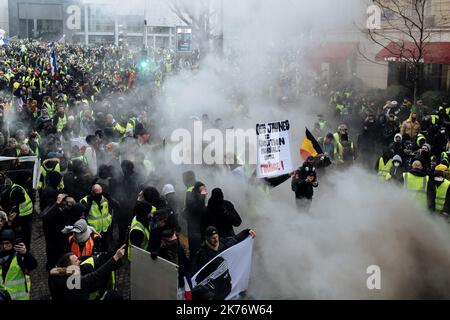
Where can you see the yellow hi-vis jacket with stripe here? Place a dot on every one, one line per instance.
(384, 169)
(417, 185)
(99, 218)
(26, 207)
(17, 283)
(441, 195)
(136, 225)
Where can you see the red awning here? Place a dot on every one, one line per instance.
(332, 52)
(433, 52)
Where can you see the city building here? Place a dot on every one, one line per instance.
(138, 22)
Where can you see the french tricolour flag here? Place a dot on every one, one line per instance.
(187, 290)
(52, 64)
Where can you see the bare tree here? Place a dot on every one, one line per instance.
(407, 25)
(202, 18)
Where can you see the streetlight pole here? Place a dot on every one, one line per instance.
(145, 26)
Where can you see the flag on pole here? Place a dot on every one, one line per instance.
(310, 146)
(187, 290)
(53, 65)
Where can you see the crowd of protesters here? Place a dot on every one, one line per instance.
(91, 125)
(405, 143)
(96, 174)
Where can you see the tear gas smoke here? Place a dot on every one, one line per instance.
(355, 221)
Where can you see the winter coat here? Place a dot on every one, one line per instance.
(195, 208)
(302, 188)
(223, 216)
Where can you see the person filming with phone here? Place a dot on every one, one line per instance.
(16, 262)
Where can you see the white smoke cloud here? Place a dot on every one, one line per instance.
(354, 222)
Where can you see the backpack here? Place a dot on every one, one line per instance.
(347, 151)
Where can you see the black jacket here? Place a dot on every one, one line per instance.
(195, 208)
(88, 283)
(302, 188)
(206, 254)
(223, 216)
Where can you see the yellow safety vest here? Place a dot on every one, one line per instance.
(100, 219)
(26, 207)
(384, 169)
(441, 195)
(340, 150)
(61, 123)
(434, 118)
(136, 225)
(17, 283)
(336, 137)
(42, 184)
(417, 185)
(119, 128)
(111, 282)
(50, 108)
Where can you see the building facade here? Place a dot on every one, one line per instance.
(4, 19)
(136, 22)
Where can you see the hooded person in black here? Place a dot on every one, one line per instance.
(397, 146)
(152, 195)
(64, 212)
(221, 214)
(195, 208)
(127, 184)
(78, 180)
(50, 192)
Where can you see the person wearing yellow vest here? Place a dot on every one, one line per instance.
(384, 164)
(189, 181)
(99, 216)
(439, 191)
(87, 283)
(396, 172)
(22, 204)
(342, 130)
(89, 265)
(60, 119)
(139, 234)
(416, 182)
(50, 164)
(48, 104)
(16, 262)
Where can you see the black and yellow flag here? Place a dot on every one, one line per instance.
(310, 146)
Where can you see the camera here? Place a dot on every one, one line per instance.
(18, 241)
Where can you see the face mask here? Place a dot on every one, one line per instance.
(97, 197)
(438, 179)
(396, 164)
